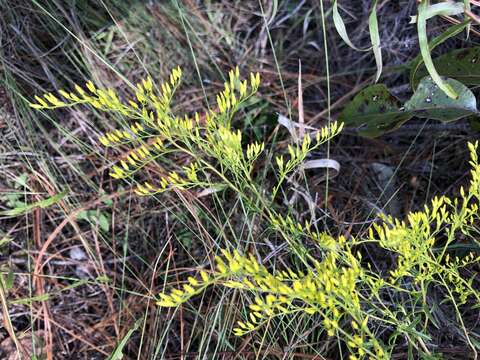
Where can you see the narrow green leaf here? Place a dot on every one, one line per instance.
(117, 354)
(10, 279)
(442, 9)
(5, 240)
(375, 38)
(104, 222)
(467, 6)
(341, 29)
(425, 50)
(29, 300)
(39, 204)
(274, 12)
(447, 34)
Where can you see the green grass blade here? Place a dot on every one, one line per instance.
(468, 8)
(118, 352)
(274, 12)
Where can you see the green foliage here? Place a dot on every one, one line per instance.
(346, 293)
(429, 101)
(430, 79)
(418, 61)
(375, 111)
(330, 281)
(218, 158)
(459, 64)
(426, 11)
(22, 208)
(94, 216)
(372, 28)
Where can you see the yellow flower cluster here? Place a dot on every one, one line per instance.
(171, 181)
(328, 289)
(235, 91)
(107, 99)
(414, 240)
(154, 131)
(298, 152)
(137, 159)
(332, 283)
(333, 288)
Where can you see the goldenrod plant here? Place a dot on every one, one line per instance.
(329, 279)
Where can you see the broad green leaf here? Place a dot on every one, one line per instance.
(429, 101)
(374, 111)
(94, 216)
(83, 215)
(461, 64)
(103, 279)
(447, 34)
(21, 181)
(425, 50)
(108, 202)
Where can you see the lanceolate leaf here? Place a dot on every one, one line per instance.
(447, 8)
(429, 101)
(447, 34)
(425, 50)
(375, 38)
(372, 28)
(461, 64)
(117, 354)
(341, 29)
